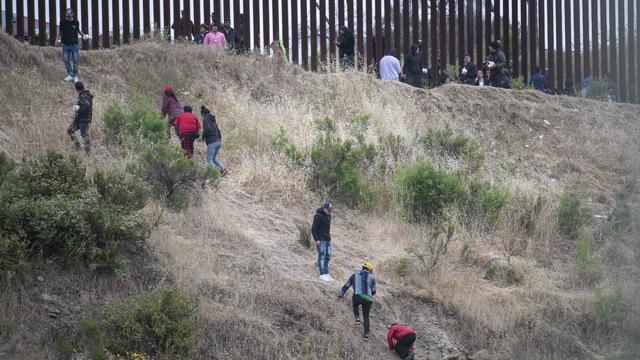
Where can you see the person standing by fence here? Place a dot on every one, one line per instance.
(215, 38)
(497, 65)
(413, 67)
(346, 48)
(69, 30)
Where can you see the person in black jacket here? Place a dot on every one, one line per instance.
(82, 119)
(213, 138)
(497, 65)
(321, 232)
(413, 67)
(346, 45)
(468, 72)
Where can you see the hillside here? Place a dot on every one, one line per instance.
(238, 252)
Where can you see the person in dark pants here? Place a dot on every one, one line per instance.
(413, 67)
(171, 107)
(346, 45)
(213, 138)
(230, 34)
(540, 81)
(188, 127)
(364, 288)
(69, 30)
(497, 65)
(321, 232)
(82, 119)
(183, 28)
(401, 338)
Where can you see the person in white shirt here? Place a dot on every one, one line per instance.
(390, 66)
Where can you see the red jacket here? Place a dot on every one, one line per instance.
(187, 123)
(397, 332)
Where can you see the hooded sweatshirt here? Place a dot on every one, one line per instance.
(210, 131)
(321, 228)
(85, 103)
(171, 106)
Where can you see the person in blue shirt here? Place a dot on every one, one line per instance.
(364, 288)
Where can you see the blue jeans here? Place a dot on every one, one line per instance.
(324, 256)
(212, 154)
(69, 50)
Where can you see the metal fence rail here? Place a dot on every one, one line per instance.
(570, 38)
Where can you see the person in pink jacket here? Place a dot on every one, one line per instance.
(215, 37)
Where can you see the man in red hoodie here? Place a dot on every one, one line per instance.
(188, 130)
(401, 338)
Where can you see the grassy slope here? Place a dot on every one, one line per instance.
(238, 254)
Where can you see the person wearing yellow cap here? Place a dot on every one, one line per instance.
(364, 288)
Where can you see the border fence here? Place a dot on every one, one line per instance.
(570, 38)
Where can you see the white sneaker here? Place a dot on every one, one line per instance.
(329, 278)
(76, 79)
(325, 277)
(68, 78)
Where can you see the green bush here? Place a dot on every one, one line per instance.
(161, 324)
(514, 277)
(445, 142)
(571, 215)
(612, 308)
(517, 83)
(6, 166)
(586, 263)
(487, 201)
(336, 167)
(13, 258)
(359, 125)
(282, 144)
(423, 192)
(52, 175)
(598, 90)
(530, 210)
(50, 210)
(175, 180)
(139, 124)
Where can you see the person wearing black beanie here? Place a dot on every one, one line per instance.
(497, 65)
(213, 138)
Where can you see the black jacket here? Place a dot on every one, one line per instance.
(347, 44)
(210, 130)
(499, 77)
(231, 36)
(85, 102)
(321, 227)
(413, 70)
(470, 77)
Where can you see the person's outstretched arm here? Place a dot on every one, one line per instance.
(347, 285)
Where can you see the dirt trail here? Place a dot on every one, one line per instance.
(272, 227)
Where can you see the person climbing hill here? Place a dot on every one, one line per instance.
(188, 127)
(364, 288)
(213, 138)
(321, 232)
(82, 118)
(171, 107)
(401, 338)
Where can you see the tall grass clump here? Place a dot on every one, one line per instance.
(487, 201)
(160, 324)
(51, 210)
(612, 308)
(586, 263)
(283, 145)
(444, 142)
(571, 214)
(423, 192)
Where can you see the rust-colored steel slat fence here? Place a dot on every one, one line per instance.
(568, 39)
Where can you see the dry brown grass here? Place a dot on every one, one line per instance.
(238, 255)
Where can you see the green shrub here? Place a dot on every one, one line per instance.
(491, 272)
(336, 169)
(392, 145)
(325, 124)
(52, 175)
(586, 263)
(514, 277)
(121, 190)
(140, 124)
(612, 308)
(598, 89)
(282, 144)
(620, 221)
(571, 215)
(517, 83)
(6, 166)
(453, 71)
(487, 201)
(445, 142)
(13, 258)
(161, 324)
(359, 125)
(174, 179)
(423, 192)
(52, 211)
(530, 212)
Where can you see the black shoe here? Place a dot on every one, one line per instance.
(365, 337)
(224, 172)
(357, 321)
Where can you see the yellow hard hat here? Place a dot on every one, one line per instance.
(368, 266)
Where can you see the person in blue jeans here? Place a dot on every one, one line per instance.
(213, 138)
(68, 35)
(321, 232)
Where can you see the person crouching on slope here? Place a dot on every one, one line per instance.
(82, 119)
(188, 127)
(364, 287)
(401, 338)
(321, 232)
